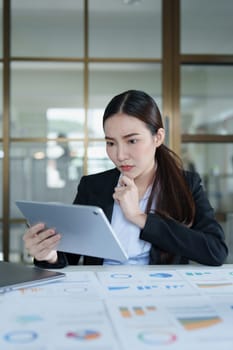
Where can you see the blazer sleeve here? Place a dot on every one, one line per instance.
(203, 242)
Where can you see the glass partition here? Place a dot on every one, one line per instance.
(47, 28)
(47, 172)
(207, 99)
(1, 243)
(1, 28)
(1, 179)
(130, 28)
(17, 250)
(206, 26)
(1, 196)
(1, 99)
(214, 162)
(47, 99)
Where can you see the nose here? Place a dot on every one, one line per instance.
(121, 153)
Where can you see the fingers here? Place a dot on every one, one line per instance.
(40, 243)
(119, 192)
(33, 231)
(40, 248)
(125, 185)
(125, 181)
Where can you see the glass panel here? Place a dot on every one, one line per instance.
(206, 27)
(1, 178)
(56, 28)
(207, 99)
(16, 243)
(1, 196)
(45, 172)
(1, 242)
(214, 162)
(1, 99)
(97, 158)
(47, 99)
(130, 28)
(109, 79)
(1, 28)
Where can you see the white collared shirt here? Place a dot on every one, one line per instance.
(128, 234)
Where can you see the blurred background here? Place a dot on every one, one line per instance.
(62, 61)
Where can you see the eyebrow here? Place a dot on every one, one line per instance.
(124, 137)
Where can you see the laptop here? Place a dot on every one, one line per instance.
(15, 276)
(84, 229)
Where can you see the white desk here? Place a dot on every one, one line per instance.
(122, 308)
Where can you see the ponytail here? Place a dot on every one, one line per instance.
(173, 196)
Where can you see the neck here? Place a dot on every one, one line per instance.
(144, 181)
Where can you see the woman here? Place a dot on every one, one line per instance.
(159, 211)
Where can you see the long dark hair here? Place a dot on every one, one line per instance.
(173, 196)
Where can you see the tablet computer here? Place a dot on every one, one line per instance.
(16, 276)
(85, 230)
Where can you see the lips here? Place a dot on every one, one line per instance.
(125, 168)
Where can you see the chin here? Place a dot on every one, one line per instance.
(132, 176)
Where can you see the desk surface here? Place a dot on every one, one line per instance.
(121, 308)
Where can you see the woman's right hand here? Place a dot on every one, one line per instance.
(41, 243)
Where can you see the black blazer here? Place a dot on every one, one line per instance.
(202, 243)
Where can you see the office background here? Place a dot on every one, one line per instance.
(62, 61)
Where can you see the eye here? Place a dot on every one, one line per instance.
(109, 143)
(133, 141)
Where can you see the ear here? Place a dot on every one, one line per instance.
(159, 137)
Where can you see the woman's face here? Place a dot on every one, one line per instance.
(130, 145)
